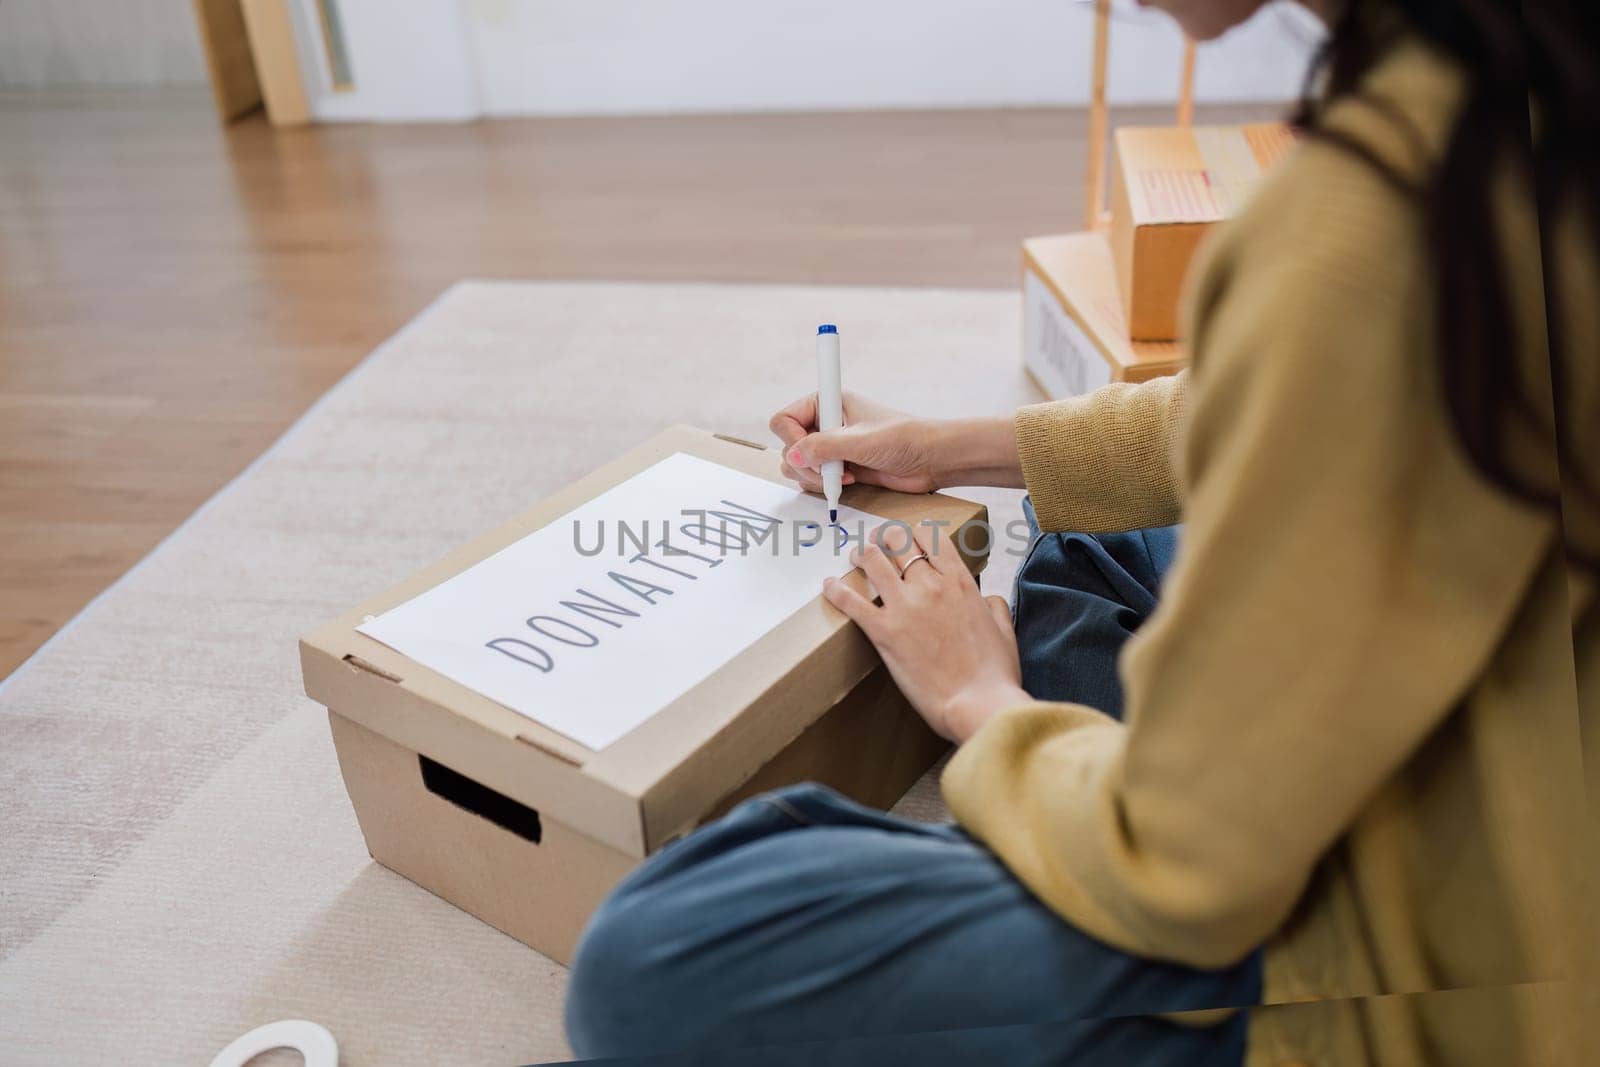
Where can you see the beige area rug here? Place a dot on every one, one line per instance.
(178, 859)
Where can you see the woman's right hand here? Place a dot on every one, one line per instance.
(879, 446)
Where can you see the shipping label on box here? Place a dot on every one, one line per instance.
(1056, 349)
(1074, 336)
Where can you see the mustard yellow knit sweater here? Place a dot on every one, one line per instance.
(1352, 733)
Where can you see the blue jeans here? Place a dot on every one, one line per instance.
(845, 935)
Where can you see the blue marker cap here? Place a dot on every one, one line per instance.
(827, 328)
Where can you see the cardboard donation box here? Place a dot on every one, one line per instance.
(1074, 336)
(524, 825)
(1169, 186)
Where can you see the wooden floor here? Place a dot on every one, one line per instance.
(173, 295)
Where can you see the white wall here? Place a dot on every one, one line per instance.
(578, 56)
(419, 68)
(99, 43)
(459, 58)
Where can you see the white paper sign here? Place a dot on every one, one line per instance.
(599, 620)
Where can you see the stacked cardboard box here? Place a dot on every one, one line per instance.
(1169, 187)
(1101, 307)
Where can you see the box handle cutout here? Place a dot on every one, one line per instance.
(479, 799)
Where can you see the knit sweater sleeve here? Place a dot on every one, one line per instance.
(1106, 461)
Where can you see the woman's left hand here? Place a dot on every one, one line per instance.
(952, 651)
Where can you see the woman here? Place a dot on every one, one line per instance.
(1345, 755)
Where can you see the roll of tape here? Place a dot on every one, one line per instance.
(311, 1040)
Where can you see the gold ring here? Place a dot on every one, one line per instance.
(922, 556)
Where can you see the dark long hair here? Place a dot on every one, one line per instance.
(1518, 57)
